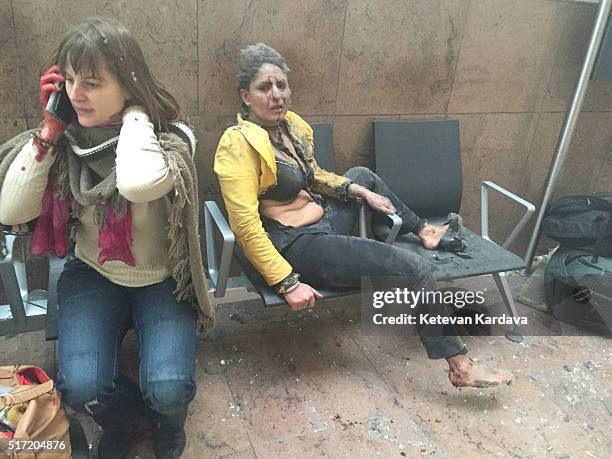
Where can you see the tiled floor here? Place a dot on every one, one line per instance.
(273, 383)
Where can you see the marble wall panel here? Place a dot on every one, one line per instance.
(399, 57)
(587, 167)
(39, 28)
(10, 78)
(33, 121)
(587, 157)
(494, 147)
(598, 96)
(308, 34)
(603, 177)
(542, 148)
(576, 21)
(208, 130)
(505, 58)
(166, 31)
(10, 127)
(541, 152)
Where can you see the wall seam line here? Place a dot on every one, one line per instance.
(442, 113)
(230, 116)
(346, 7)
(20, 68)
(450, 93)
(526, 178)
(198, 111)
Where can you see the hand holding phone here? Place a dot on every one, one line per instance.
(59, 105)
(54, 126)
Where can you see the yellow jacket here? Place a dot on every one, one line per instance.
(246, 167)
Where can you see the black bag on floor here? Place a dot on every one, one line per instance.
(578, 278)
(581, 221)
(578, 289)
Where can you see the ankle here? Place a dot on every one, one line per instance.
(459, 362)
(114, 444)
(169, 444)
(424, 231)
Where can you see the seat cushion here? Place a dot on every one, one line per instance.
(480, 256)
(268, 294)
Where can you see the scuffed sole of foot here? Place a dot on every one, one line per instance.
(478, 383)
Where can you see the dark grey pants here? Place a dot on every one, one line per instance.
(341, 260)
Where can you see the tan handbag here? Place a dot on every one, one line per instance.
(29, 399)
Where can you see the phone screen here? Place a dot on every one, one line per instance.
(60, 107)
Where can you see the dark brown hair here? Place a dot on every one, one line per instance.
(100, 41)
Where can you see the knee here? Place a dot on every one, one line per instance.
(78, 378)
(361, 175)
(170, 396)
(414, 268)
(77, 391)
(426, 278)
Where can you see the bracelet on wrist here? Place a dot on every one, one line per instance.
(288, 283)
(293, 287)
(39, 141)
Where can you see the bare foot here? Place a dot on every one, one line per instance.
(464, 372)
(430, 235)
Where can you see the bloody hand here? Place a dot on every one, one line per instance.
(48, 84)
(52, 129)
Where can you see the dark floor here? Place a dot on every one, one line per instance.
(273, 383)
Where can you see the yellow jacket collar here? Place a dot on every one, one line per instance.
(259, 139)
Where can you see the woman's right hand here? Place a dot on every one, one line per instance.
(52, 128)
(302, 297)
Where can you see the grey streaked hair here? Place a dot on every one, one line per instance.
(252, 58)
(250, 61)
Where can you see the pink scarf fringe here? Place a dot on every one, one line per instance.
(51, 231)
(115, 239)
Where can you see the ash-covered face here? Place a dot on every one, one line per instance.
(268, 97)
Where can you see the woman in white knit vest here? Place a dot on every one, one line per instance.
(119, 180)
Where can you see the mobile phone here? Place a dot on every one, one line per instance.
(59, 105)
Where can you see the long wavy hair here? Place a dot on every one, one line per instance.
(98, 41)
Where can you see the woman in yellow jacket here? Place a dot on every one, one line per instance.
(291, 217)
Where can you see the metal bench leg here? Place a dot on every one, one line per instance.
(504, 290)
(25, 311)
(12, 290)
(14, 283)
(56, 266)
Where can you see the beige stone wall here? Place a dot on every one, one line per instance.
(505, 69)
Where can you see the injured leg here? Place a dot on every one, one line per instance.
(464, 372)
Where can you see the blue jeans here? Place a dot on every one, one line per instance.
(94, 316)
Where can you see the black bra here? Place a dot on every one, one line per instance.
(290, 180)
